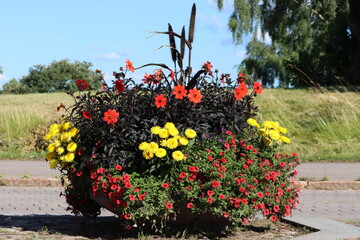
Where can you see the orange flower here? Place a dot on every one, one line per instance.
(240, 91)
(129, 66)
(207, 66)
(257, 87)
(111, 116)
(179, 92)
(160, 101)
(194, 95)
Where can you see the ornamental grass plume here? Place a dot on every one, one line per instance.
(177, 140)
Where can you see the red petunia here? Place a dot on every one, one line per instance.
(86, 114)
(129, 66)
(241, 91)
(260, 195)
(215, 184)
(120, 86)
(179, 91)
(189, 205)
(111, 116)
(118, 167)
(132, 197)
(257, 87)
(81, 84)
(160, 101)
(195, 95)
(165, 185)
(169, 206)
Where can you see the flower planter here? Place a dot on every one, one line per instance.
(185, 216)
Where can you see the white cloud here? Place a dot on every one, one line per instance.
(114, 55)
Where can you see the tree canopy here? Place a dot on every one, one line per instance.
(312, 42)
(57, 76)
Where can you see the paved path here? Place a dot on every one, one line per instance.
(40, 169)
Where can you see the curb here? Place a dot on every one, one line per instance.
(310, 185)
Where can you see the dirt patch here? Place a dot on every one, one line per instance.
(71, 228)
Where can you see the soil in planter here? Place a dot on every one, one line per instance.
(71, 227)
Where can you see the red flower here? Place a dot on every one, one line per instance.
(241, 78)
(100, 171)
(221, 196)
(86, 114)
(189, 205)
(210, 193)
(165, 185)
(257, 87)
(78, 173)
(132, 197)
(142, 197)
(207, 66)
(111, 116)
(240, 91)
(60, 106)
(260, 194)
(276, 208)
(193, 169)
(215, 184)
(129, 66)
(226, 214)
(120, 86)
(169, 206)
(210, 200)
(118, 167)
(182, 174)
(160, 101)
(81, 84)
(127, 216)
(266, 212)
(194, 95)
(273, 218)
(244, 201)
(179, 91)
(172, 75)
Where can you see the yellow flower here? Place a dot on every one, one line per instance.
(267, 141)
(274, 135)
(148, 155)
(57, 143)
(66, 126)
(53, 164)
(65, 137)
(73, 132)
(263, 132)
(169, 125)
(54, 127)
(50, 156)
(71, 147)
(153, 147)
(60, 150)
(183, 141)
(285, 139)
(160, 153)
(144, 146)
(155, 130)
(163, 143)
(69, 157)
(51, 147)
(173, 132)
(190, 133)
(282, 130)
(253, 122)
(178, 155)
(172, 143)
(267, 124)
(164, 133)
(48, 137)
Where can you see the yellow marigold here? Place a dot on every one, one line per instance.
(282, 130)
(155, 130)
(153, 147)
(144, 146)
(48, 137)
(285, 139)
(69, 157)
(65, 126)
(57, 143)
(71, 147)
(172, 143)
(163, 142)
(178, 155)
(60, 150)
(268, 124)
(54, 127)
(253, 122)
(173, 132)
(274, 135)
(148, 155)
(50, 156)
(263, 132)
(65, 137)
(160, 153)
(183, 141)
(51, 147)
(190, 133)
(53, 164)
(169, 125)
(164, 133)
(73, 132)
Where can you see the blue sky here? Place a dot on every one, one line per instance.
(106, 33)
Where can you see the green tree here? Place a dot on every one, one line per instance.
(59, 76)
(14, 87)
(313, 42)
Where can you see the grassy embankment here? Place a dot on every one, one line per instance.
(322, 125)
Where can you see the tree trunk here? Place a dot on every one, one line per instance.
(354, 22)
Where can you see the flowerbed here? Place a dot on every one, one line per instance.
(176, 142)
